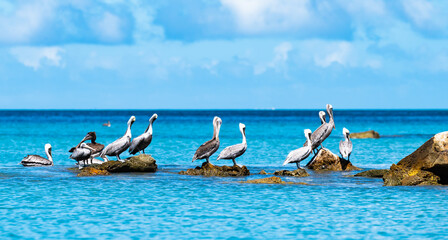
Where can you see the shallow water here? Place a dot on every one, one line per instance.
(51, 202)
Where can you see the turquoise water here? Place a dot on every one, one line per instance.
(52, 203)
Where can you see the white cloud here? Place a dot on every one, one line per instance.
(35, 57)
(108, 28)
(258, 16)
(278, 63)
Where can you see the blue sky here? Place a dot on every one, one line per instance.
(247, 54)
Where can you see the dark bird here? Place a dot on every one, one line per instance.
(141, 142)
(82, 153)
(208, 148)
(36, 160)
(97, 147)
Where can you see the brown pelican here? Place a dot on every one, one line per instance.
(322, 117)
(141, 142)
(208, 148)
(97, 147)
(120, 145)
(82, 152)
(346, 146)
(300, 154)
(322, 132)
(36, 160)
(107, 124)
(236, 150)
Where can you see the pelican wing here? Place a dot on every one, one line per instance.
(97, 146)
(319, 135)
(297, 155)
(35, 160)
(233, 151)
(117, 147)
(140, 143)
(81, 154)
(207, 149)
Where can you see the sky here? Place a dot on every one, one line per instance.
(223, 54)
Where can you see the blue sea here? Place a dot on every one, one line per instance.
(52, 203)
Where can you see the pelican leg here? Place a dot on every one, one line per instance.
(104, 157)
(144, 151)
(119, 159)
(207, 160)
(234, 163)
(298, 165)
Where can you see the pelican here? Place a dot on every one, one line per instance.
(36, 160)
(97, 147)
(300, 154)
(208, 148)
(322, 117)
(322, 132)
(141, 142)
(236, 150)
(82, 152)
(120, 145)
(346, 146)
(107, 124)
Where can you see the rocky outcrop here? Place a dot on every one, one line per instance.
(366, 134)
(295, 173)
(428, 165)
(263, 172)
(373, 173)
(209, 170)
(326, 160)
(270, 180)
(139, 163)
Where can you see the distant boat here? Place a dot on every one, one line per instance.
(107, 124)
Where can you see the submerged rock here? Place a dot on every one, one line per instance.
(295, 173)
(366, 134)
(209, 170)
(139, 163)
(373, 173)
(326, 160)
(270, 180)
(428, 165)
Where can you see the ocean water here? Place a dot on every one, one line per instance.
(52, 203)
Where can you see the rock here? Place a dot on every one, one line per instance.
(270, 180)
(326, 160)
(428, 165)
(366, 134)
(90, 171)
(209, 170)
(263, 172)
(139, 163)
(295, 173)
(373, 173)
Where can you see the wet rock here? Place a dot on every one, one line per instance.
(366, 134)
(90, 171)
(326, 160)
(270, 180)
(373, 173)
(295, 173)
(209, 170)
(428, 165)
(139, 163)
(263, 172)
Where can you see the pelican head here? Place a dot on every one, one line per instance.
(345, 132)
(307, 133)
(330, 113)
(242, 126)
(217, 121)
(48, 148)
(131, 120)
(84, 145)
(89, 136)
(322, 117)
(153, 117)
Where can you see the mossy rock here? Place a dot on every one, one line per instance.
(366, 134)
(325, 160)
(373, 173)
(270, 180)
(296, 173)
(210, 170)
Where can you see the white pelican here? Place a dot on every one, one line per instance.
(236, 150)
(300, 154)
(120, 145)
(141, 142)
(208, 148)
(346, 146)
(36, 160)
(82, 153)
